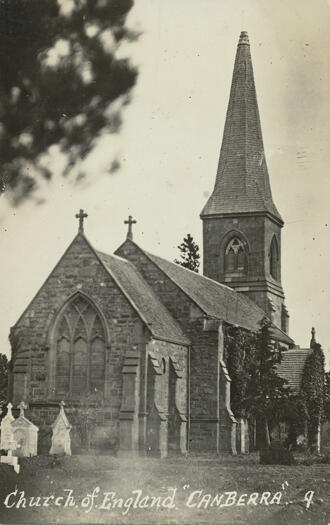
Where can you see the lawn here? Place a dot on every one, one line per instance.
(192, 490)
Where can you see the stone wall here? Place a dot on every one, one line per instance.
(78, 271)
(167, 398)
(257, 283)
(204, 359)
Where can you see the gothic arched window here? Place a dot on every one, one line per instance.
(79, 349)
(274, 258)
(235, 256)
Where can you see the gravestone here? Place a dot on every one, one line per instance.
(6, 429)
(7, 441)
(61, 440)
(10, 459)
(25, 434)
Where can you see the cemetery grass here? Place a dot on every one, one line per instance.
(52, 475)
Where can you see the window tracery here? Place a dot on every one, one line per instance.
(235, 256)
(79, 349)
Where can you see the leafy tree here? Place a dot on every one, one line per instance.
(314, 391)
(239, 354)
(267, 395)
(59, 78)
(189, 254)
(327, 395)
(3, 379)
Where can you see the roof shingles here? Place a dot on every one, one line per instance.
(159, 321)
(292, 366)
(242, 182)
(215, 299)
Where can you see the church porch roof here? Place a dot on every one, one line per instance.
(292, 366)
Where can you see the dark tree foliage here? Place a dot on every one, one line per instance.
(267, 393)
(295, 415)
(189, 254)
(3, 379)
(239, 355)
(327, 395)
(256, 390)
(58, 76)
(313, 391)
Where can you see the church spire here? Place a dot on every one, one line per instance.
(242, 181)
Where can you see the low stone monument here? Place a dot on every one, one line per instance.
(6, 428)
(61, 440)
(10, 459)
(25, 434)
(7, 441)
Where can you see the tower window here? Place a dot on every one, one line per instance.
(235, 256)
(274, 259)
(79, 350)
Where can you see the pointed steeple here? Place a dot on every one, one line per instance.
(242, 181)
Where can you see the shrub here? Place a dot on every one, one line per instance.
(276, 454)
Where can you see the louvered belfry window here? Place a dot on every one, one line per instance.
(274, 258)
(80, 350)
(235, 256)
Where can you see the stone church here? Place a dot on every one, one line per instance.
(135, 341)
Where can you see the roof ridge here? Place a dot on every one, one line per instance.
(48, 276)
(192, 271)
(114, 256)
(127, 295)
(299, 351)
(241, 301)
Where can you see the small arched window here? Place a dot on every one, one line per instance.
(235, 256)
(79, 350)
(274, 259)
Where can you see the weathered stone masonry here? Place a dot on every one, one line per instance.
(204, 354)
(79, 271)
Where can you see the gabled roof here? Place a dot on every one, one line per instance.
(242, 181)
(22, 421)
(152, 312)
(141, 297)
(292, 366)
(215, 299)
(61, 418)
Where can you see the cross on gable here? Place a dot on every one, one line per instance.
(130, 222)
(62, 404)
(9, 412)
(81, 216)
(22, 406)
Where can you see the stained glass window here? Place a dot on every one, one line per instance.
(80, 349)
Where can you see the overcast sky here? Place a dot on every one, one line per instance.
(169, 146)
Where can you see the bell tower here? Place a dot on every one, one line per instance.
(241, 224)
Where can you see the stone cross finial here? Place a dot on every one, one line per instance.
(130, 222)
(81, 216)
(62, 404)
(22, 406)
(313, 337)
(9, 413)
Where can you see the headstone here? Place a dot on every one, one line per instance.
(6, 429)
(25, 434)
(10, 459)
(61, 440)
